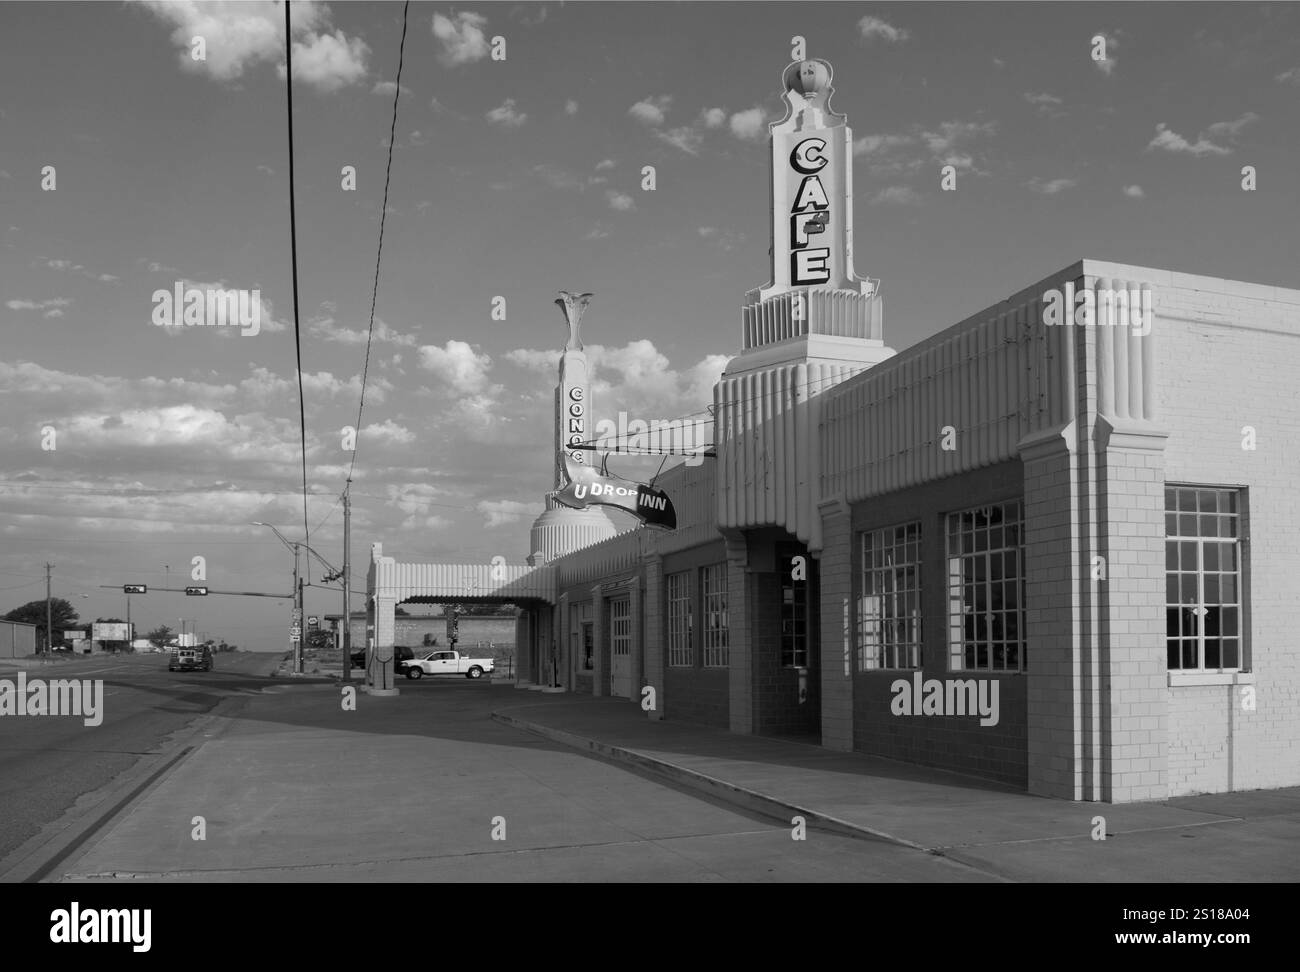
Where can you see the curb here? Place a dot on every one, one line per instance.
(64, 840)
(732, 793)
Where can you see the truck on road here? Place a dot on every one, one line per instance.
(448, 662)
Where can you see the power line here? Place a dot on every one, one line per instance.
(293, 248)
(149, 491)
(383, 215)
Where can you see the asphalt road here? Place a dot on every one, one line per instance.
(48, 762)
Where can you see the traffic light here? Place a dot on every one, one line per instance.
(197, 591)
(135, 588)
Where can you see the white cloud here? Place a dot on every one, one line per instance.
(604, 164)
(872, 144)
(503, 512)
(39, 305)
(505, 114)
(952, 133)
(726, 239)
(239, 36)
(873, 27)
(1171, 141)
(418, 501)
(1045, 104)
(1289, 76)
(1231, 129)
(1107, 66)
(619, 201)
(1050, 187)
(460, 40)
(329, 61)
(388, 88)
(749, 124)
(954, 143)
(896, 195)
(570, 107)
(327, 330)
(713, 117)
(636, 378)
(684, 138)
(651, 110)
(1134, 192)
(458, 366)
(596, 233)
(69, 266)
(388, 431)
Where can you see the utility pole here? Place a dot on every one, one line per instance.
(297, 614)
(347, 581)
(49, 639)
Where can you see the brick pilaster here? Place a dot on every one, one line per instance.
(836, 582)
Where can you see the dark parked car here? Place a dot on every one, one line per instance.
(401, 655)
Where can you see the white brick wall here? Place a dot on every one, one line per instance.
(1225, 365)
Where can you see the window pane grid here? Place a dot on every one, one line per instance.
(714, 581)
(679, 619)
(1203, 616)
(889, 608)
(620, 626)
(794, 621)
(986, 604)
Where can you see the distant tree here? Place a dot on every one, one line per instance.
(223, 647)
(62, 614)
(108, 620)
(159, 637)
(398, 611)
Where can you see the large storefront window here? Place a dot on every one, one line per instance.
(679, 619)
(582, 637)
(714, 583)
(794, 621)
(1203, 572)
(986, 589)
(889, 609)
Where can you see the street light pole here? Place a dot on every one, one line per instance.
(347, 581)
(297, 614)
(49, 640)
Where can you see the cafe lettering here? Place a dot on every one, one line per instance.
(809, 215)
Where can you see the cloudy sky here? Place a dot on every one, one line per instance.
(515, 178)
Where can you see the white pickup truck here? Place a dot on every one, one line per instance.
(448, 662)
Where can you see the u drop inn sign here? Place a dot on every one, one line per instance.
(587, 487)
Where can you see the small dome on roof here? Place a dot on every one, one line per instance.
(807, 77)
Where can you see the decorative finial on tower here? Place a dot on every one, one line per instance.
(808, 91)
(573, 305)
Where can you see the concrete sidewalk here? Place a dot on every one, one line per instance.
(369, 780)
(1243, 836)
